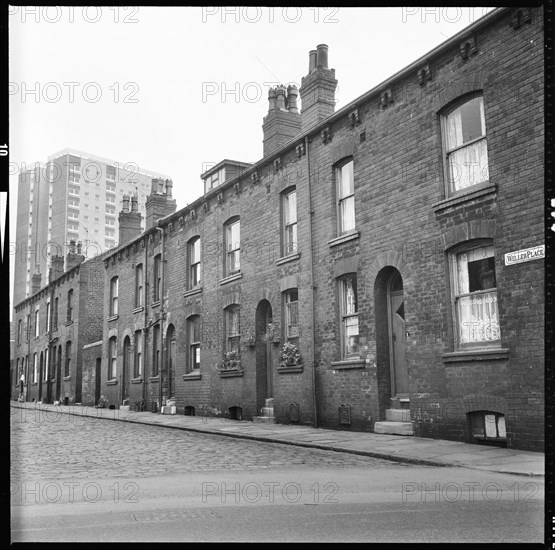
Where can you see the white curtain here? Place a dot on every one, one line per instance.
(477, 314)
(468, 166)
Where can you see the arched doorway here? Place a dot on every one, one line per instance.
(264, 379)
(126, 368)
(170, 359)
(397, 336)
(41, 375)
(391, 364)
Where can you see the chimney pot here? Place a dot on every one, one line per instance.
(280, 91)
(292, 94)
(134, 203)
(169, 187)
(312, 60)
(72, 246)
(125, 203)
(272, 99)
(322, 56)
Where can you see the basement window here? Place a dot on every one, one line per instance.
(487, 428)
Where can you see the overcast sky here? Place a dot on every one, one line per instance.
(174, 90)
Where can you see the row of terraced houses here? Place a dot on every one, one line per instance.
(379, 269)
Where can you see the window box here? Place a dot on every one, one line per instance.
(290, 369)
(231, 373)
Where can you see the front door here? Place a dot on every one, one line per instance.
(171, 364)
(397, 337)
(126, 368)
(264, 379)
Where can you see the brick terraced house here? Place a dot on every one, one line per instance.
(379, 269)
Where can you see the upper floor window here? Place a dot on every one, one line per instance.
(48, 313)
(232, 328)
(290, 222)
(70, 305)
(19, 328)
(232, 247)
(114, 290)
(292, 313)
(344, 177)
(475, 296)
(55, 315)
(139, 284)
(67, 368)
(35, 368)
(112, 357)
(28, 331)
(466, 152)
(348, 309)
(193, 330)
(138, 363)
(37, 326)
(157, 277)
(194, 262)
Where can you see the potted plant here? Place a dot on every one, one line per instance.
(231, 360)
(289, 355)
(250, 339)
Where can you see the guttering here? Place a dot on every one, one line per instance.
(162, 274)
(312, 288)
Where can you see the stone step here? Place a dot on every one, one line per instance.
(397, 415)
(394, 428)
(267, 411)
(264, 419)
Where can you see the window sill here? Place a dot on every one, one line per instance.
(111, 382)
(192, 376)
(479, 190)
(193, 291)
(476, 355)
(344, 238)
(344, 364)
(138, 309)
(67, 378)
(231, 278)
(136, 380)
(155, 304)
(113, 318)
(154, 378)
(290, 369)
(289, 258)
(69, 323)
(230, 373)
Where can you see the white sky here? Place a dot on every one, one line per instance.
(164, 58)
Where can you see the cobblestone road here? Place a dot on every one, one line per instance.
(46, 445)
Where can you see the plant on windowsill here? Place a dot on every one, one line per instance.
(231, 361)
(289, 355)
(249, 339)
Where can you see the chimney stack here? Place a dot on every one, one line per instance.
(74, 256)
(160, 202)
(317, 89)
(56, 267)
(129, 220)
(283, 121)
(36, 280)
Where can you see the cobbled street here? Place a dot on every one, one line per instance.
(76, 478)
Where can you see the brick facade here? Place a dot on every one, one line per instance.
(407, 233)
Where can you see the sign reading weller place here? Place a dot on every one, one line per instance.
(525, 255)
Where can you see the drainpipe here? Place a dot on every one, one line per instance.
(145, 290)
(311, 258)
(162, 267)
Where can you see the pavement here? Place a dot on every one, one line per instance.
(399, 448)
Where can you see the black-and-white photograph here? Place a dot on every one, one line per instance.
(276, 274)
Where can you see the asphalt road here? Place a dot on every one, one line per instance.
(82, 479)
